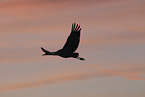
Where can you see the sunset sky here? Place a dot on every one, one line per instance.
(112, 42)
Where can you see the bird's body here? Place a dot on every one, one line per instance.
(70, 46)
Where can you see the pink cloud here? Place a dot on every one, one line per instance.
(72, 76)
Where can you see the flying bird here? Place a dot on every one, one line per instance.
(72, 43)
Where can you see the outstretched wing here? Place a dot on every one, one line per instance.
(73, 39)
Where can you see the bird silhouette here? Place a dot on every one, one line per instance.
(72, 43)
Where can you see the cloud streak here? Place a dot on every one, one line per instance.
(56, 79)
(53, 80)
(26, 25)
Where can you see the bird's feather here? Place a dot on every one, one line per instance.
(73, 39)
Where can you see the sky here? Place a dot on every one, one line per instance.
(112, 42)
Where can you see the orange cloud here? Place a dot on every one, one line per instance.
(42, 16)
(71, 76)
(129, 73)
(115, 40)
(52, 80)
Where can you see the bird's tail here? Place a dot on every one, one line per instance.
(44, 50)
(80, 58)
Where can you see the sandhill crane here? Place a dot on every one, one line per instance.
(70, 46)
